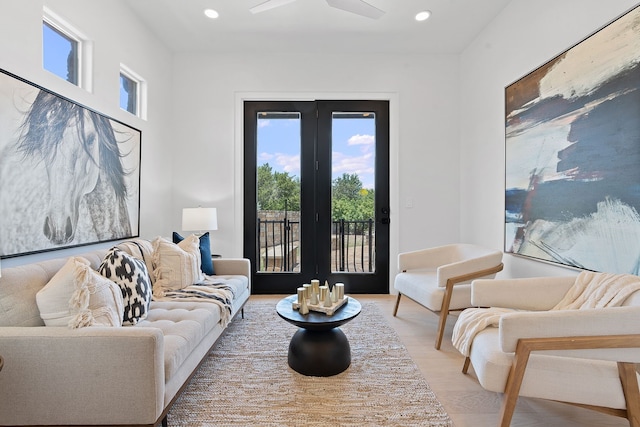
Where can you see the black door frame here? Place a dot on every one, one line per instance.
(316, 119)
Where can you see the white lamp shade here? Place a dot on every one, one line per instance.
(199, 219)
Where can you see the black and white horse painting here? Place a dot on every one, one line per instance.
(68, 175)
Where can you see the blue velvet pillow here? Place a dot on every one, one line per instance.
(205, 252)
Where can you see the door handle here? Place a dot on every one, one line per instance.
(385, 221)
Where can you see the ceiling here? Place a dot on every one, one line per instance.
(312, 26)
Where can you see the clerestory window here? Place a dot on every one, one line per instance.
(65, 51)
(60, 53)
(132, 91)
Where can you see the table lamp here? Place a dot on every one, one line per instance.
(199, 219)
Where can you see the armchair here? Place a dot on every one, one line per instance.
(439, 278)
(585, 357)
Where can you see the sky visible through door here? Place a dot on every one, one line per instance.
(353, 150)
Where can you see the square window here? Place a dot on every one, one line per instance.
(60, 53)
(128, 94)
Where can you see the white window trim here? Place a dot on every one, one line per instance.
(141, 90)
(85, 46)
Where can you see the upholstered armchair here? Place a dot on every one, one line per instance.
(538, 347)
(439, 278)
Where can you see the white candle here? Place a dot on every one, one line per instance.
(315, 285)
(323, 293)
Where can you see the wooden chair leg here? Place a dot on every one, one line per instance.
(465, 367)
(514, 381)
(629, 381)
(444, 312)
(395, 310)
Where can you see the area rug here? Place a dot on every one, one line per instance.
(246, 381)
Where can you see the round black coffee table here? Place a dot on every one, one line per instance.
(319, 348)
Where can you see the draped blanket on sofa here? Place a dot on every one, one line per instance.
(211, 290)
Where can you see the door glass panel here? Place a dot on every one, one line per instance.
(278, 191)
(353, 192)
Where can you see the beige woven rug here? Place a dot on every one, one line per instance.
(246, 381)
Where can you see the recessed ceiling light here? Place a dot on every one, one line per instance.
(210, 13)
(423, 16)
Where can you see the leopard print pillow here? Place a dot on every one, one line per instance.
(132, 277)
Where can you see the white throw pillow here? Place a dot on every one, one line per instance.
(77, 296)
(177, 265)
(97, 299)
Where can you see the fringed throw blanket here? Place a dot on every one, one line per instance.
(211, 290)
(590, 290)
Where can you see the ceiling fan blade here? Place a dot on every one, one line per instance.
(359, 7)
(269, 4)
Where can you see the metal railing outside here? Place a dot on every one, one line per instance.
(352, 245)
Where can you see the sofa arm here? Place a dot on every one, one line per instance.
(573, 323)
(535, 293)
(95, 375)
(232, 267)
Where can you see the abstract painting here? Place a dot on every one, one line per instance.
(572, 180)
(69, 176)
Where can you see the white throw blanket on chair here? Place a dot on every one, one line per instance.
(590, 290)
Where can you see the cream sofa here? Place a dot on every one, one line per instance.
(97, 375)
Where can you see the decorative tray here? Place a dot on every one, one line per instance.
(322, 309)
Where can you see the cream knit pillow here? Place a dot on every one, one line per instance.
(176, 265)
(76, 296)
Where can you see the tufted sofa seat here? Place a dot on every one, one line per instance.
(128, 375)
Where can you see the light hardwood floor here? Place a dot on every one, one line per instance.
(468, 404)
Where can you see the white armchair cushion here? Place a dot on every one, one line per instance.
(422, 286)
(536, 293)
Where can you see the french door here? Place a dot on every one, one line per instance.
(316, 194)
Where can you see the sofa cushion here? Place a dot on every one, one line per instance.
(206, 263)
(77, 296)
(177, 266)
(132, 277)
(184, 324)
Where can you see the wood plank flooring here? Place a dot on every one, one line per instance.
(467, 403)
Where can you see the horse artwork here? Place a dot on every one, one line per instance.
(68, 175)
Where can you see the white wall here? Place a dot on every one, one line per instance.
(208, 92)
(524, 36)
(117, 37)
(447, 124)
